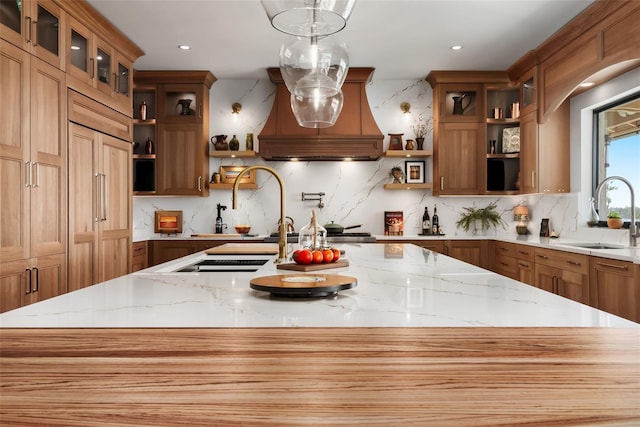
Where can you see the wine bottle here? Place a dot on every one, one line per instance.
(426, 222)
(435, 221)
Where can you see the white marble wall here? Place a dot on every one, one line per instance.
(354, 190)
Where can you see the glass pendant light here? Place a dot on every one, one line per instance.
(317, 111)
(308, 18)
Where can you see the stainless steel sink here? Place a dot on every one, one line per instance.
(596, 245)
(227, 263)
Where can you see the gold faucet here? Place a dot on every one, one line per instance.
(282, 241)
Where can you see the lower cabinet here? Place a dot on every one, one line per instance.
(168, 250)
(139, 256)
(615, 287)
(515, 261)
(563, 273)
(476, 252)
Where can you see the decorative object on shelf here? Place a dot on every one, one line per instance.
(229, 174)
(395, 141)
(498, 113)
(420, 143)
(249, 142)
(185, 105)
(397, 174)
(219, 225)
(515, 110)
(544, 227)
(492, 144)
(236, 107)
(458, 108)
(143, 111)
(521, 213)
(393, 223)
(148, 147)
(168, 222)
(511, 140)
(216, 178)
(414, 171)
(234, 144)
(594, 218)
(409, 145)
(220, 142)
(614, 220)
(405, 107)
(421, 128)
(480, 218)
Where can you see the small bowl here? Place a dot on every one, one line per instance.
(242, 229)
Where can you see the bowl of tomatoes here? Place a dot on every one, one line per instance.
(315, 256)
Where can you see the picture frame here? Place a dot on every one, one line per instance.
(511, 140)
(395, 141)
(229, 174)
(414, 172)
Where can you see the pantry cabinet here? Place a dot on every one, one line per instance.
(33, 182)
(615, 287)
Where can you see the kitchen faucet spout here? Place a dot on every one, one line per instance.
(634, 231)
(282, 241)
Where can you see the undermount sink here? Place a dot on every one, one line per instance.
(596, 245)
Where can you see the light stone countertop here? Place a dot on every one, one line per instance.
(398, 286)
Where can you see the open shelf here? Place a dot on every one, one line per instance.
(149, 122)
(408, 153)
(503, 156)
(229, 186)
(425, 186)
(230, 153)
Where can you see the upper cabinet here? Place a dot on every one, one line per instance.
(36, 27)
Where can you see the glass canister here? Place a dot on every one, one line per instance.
(312, 236)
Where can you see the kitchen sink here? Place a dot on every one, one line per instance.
(222, 263)
(596, 245)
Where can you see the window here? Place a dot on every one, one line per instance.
(617, 153)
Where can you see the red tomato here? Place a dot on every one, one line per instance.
(327, 256)
(336, 254)
(317, 257)
(304, 257)
(294, 255)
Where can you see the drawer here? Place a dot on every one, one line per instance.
(515, 250)
(506, 265)
(564, 260)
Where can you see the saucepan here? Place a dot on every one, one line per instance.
(334, 228)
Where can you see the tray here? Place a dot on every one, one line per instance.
(304, 285)
(244, 248)
(312, 267)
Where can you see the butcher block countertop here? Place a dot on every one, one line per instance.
(321, 376)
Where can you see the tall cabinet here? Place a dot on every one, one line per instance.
(179, 162)
(33, 179)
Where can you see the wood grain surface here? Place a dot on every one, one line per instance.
(244, 248)
(321, 376)
(313, 267)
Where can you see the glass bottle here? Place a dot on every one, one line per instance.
(435, 221)
(312, 236)
(249, 142)
(594, 218)
(426, 222)
(234, 144)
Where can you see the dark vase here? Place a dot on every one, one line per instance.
(420, 142)
(234, 144)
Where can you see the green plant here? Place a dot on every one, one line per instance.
(488, 217)
(613, 214)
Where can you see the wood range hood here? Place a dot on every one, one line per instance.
(355, 134)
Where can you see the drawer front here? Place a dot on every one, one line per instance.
(564, 260)
(515, 250)
(525, 253)
(506, 265)
(504, 248)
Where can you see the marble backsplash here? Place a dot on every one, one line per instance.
(354, 192)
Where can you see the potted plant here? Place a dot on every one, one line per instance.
(397, 174)
(614, 220)
(480, 218)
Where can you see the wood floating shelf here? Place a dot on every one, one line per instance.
(425, 186)
(230, 153)
(229, 186)
(503, 156)
(408, 153)
(144, 122)
(503, 121)
(144, 156)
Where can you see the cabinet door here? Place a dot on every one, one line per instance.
(182, 103)
(574, 286)
(469, 251)
(164, 251)
(15, 163)
(547, 277)
(529, 153)
(104, 59)
(48, 157)
(83, 209)
(13, 284)
(114, 201)
(459, 158)
(179, 159)
(139, 259)
(615, 287)
(461, 102)
(48, 278)
(526, 272)
(123, 84)
(80, 62)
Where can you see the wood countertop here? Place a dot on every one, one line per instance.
(320, 376)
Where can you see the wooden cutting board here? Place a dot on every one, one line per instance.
(216, 235)
(306, 285)
(312, 267)
(244, 248)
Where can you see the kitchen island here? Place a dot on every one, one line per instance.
(166, 348)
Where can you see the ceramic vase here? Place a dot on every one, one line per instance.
(420, 142)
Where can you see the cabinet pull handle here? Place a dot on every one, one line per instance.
(37, 287)
(573, 262)
(37, 184)
(504, 263)
(34, 25)
(522, 264)
(27, 171)
(104, 197)
(92, 71)
(27, 281)
(442, 183)
(619, 267)
(542, 256)
(199, 182)
(523, 252)
(97, 199)
(200, 110)
(28, 25)
(503, 249)
(115, 86)
(533, 179)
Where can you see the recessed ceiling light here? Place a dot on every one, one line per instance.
(184, 47)
(456, 47)
(587, 84)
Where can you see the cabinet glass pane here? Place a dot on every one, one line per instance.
(181, 103)
(79, 50)
(527, 92)
(11, 14)
(48, 28)
(104, 66)
(123, 80)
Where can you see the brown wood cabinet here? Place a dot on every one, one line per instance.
(100, 211)
(458, 159)
(476, 252)
(515, 261)
(182, 147)
(139, 256)
(33, 182)
(615, 287)
(563, 273)
(168, 250)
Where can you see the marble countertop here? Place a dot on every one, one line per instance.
(399, 285)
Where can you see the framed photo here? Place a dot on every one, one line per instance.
(414, 171)
(395, 141)
(229, 174)
(511, 140)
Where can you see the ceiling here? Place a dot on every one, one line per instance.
(401, 39)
